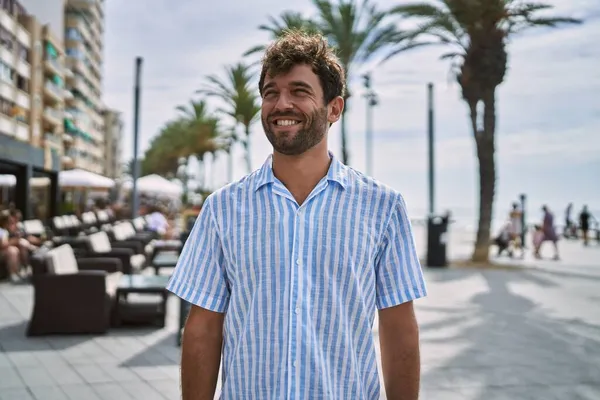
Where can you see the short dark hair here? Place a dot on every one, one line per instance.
(296, 48)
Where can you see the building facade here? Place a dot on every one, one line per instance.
(31, 104)
(113, 146)
(83, 38)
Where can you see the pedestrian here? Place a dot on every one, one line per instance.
(286, 268)
(584, 224)
(516, 229)
(549, 231)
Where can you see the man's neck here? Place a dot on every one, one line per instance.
(300, 174)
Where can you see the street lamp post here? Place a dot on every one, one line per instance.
(183, 175)
(136, 140)
(431, 148)
(372, 101)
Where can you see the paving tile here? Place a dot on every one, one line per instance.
(64, 374)
(10, 379)
(5, 361)
(169, 388)
(110, 391)
(119, 374)
(35, 376)
(23, 359)
(142, 391)
(16, 394)
(47, 393)
(79, 392)
(150, 373)
(92, 374)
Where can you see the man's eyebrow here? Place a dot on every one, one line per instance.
(269, 85)
(301, 84)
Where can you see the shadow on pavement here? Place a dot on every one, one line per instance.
(509, 347)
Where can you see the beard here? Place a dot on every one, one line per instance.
(308, 135)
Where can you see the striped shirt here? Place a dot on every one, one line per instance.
(300, 285)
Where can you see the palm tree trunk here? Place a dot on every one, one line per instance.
(484, 140)
(247, 147)
(345, 155)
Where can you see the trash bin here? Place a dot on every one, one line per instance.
(437, 231)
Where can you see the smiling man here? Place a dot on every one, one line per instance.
(286, 267)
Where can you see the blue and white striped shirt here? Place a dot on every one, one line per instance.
(300, 285)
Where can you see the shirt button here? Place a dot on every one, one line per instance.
(297, 310)
(294, 364)
(297, 261)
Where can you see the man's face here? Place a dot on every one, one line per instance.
(294, 117)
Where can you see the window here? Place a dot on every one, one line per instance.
(6, 73)
(22, 83)
(7, 39)
(6, 106)
(23, 52)
(73, 34)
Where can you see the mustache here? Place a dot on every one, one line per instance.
(272, 116)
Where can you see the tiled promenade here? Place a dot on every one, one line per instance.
(532, 334)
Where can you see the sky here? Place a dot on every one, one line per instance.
(548, 131)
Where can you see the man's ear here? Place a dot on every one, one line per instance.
(335, 109)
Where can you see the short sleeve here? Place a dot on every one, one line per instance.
(399, 277)
(200, 276)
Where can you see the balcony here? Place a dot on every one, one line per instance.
(21, 131)
(23, 36)
(53, 139)
(53, 116)
(7, 56)
(23, 68)
(54, 66)
(23, 100)
(7, 125)
(53, 91)
(6, 90)
(68, 95)
(7, 21)
(67, 139)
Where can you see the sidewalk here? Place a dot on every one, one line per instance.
(486, 335)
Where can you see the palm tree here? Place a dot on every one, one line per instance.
(240, 98)
(357, 29)
(477, 32)
(194, 132)
(164, 151)
(288, 21)
(202, 131)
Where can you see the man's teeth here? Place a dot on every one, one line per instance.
(286, 122)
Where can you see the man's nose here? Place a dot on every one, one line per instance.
(284, 102)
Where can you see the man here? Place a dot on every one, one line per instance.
(286, 267)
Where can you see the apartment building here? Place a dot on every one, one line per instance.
(113, 146)
(83, 38)
(31, 105)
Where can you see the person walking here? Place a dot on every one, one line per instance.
(516, 229)
(584, 224)
(285, 268)
(549, 232)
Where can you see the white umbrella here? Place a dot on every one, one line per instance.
(155, 185)
(11, 180)
(8, 180)
(79, 178)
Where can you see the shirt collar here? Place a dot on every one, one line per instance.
(337, 173)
